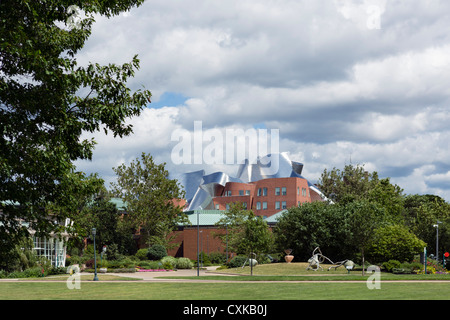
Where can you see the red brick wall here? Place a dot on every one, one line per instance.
(294, 194)
(187, 239)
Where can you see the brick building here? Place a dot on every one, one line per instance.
(208, 196)
(267, 195)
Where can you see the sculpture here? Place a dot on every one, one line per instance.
(318, 258)
(288, 256)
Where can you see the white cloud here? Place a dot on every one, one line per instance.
(337, 87)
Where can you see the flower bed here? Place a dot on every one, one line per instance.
(151, 270)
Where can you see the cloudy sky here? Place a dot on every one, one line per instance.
(344, 81)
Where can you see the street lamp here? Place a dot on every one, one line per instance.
(437, 238)
(94, 231)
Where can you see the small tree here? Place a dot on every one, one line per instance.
(394, 242)
(365, 218)
(149, 195)
(257, 237)
(233, 223)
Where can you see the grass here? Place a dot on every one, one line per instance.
(83, 277)
(241, 289)
(298, 272)
(223, 291)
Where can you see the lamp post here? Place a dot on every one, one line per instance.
(227, 242)
(437, 238)
(198, 248)
(94, 231)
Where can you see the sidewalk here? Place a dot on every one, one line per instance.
(149, 276)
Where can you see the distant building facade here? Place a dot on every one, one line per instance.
(254, 186)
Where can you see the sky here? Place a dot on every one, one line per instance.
(343, 82)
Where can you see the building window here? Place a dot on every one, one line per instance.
(277, 191)
(247, 192)
(259, 192)
(277, 204)
(264, 205)
(227, 206)
(244, 204)
(53, 249)
(283, 191)
(264, 191)
(241, 192)
(229, 193)
(258, 205)
(298, 191)
(217, 206)
(304, 192)
(283, 205)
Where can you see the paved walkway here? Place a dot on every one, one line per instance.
(156, 276)
(159, 277)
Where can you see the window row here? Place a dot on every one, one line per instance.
(241, 193)
(259, 205)
(278, 205)
(279, 191)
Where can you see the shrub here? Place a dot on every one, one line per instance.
(204, 259)
(154, 265)
(142, 254)
(184, 263)
(90, 263)
(32, 272)
(412, 267)
(392, 264)
(156, 252)
(169, 262)
(394, 242)
(217, 258)
(237, 261)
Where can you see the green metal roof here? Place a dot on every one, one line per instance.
(274, 218)
(205, 217)
(120, 204)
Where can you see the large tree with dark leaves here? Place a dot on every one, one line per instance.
(47, 101)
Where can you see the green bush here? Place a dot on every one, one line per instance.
(413, 266)
(169, 262)
(237, 261)
(142, 254)
(204, 259)
(155, 265)
(156, 252)
(392, 264)
(394, 242)
(217, 258)
(184, 263)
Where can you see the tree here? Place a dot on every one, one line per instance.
(47, 101)
(103, 215)
(355, 183)
(233, 222)
(350, 184)
(365, 218)
(394, 242)
(421, 212)
(317, 224)
(257, 237)
(149, 195)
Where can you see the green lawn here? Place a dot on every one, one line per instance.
(138, 290)
(241, 289)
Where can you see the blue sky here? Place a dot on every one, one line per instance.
(342, 80)
(168, 99)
